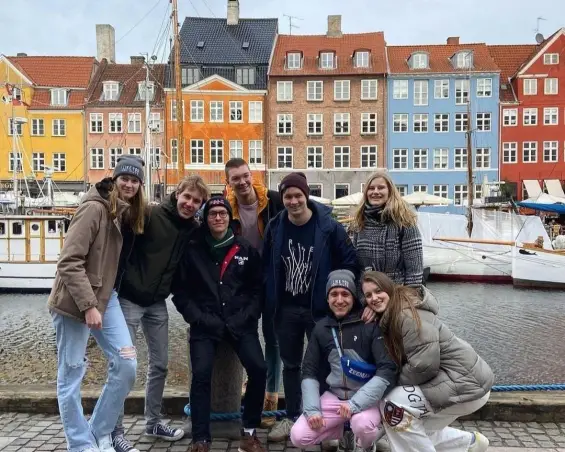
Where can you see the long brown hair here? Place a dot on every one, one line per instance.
(401, 298)
(396, 209)
(135, 215)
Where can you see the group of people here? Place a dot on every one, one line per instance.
(378, 358)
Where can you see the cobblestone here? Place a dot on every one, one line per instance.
(35, 433)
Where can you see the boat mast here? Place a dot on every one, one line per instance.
(178, 91)
(470, 185)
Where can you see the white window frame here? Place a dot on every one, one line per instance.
(113, 155)
(441, 89)
(551, 86)
(315, 119)
(510, 117)
(483, 122)
(343, 120)
(461, 158)
(314, 157)
(551, 116)
(421, 92)
(284, 91)
(362, 58)
(96, 122)
(285, 120)
(419, 188)
(134, 151)
(236, 106)
(115, 123)
(342, 185)
(400, 159)
(216, 152)
(400, 89)
(441, 190)
(255, 112)
(464, 59)
(484, 87)
(97, 160)
(551, 148)
(155, 158)
(369, 156)
(174, 110)
(420, 159)
(197, 151)
(216, 111)
(462, 91)
(142, 89)
(400, 119)
(315, 91)
(59, 127)
(509, 152)
(441, 159)
(197, 111)
(293, 60)
(316, 186)
(530, 86)
(441, 121)
(287, 154)
(58, 159)
(255, 152)
(461, 122)
(369, 89)
(530, 117)
(59, 97)
(550, 58)
(12, 162)
(328, 60)
(236, 149)
(37, 127)
(342, 90)
(245, 76)
(419, 61)
(369, 123)
(342, 157)
(38, 162)
(155, 122)
(111, 91)
(529, 152)
(460, 194)
(482, 158)
(402, 189)
(420, 121)
(174, 147)
(134, 122)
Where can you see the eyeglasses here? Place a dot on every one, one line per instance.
(222, 215)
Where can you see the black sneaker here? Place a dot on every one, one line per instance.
(164, 432)
(121, 444)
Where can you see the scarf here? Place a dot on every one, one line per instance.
(373, 214)
(219, 248)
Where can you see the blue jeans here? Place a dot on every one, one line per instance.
(272, 356)
(115, 341)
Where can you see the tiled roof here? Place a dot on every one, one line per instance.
(223, 43)
(510, 58)
(344, 48)
(42, 100)
(439, 58)
(56, 71)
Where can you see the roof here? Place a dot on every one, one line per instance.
(42, 100)
(510, 58)
(439, 59)
(343, 46)
(223, 43)
(56, 71)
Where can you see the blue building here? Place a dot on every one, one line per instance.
(428, 92)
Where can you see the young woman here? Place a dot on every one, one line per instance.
(359, 371)
(442, 377)
(83, 301)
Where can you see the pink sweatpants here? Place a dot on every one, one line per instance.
(365, 425)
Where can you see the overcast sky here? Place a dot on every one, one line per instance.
(67, 27)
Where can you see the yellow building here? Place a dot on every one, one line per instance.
(47, 96)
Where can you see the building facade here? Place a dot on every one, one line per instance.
(433, 91)
(326, 109)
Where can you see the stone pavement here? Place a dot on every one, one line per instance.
(33, 433)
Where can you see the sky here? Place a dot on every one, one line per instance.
(67, 27)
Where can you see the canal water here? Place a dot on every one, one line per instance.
(519, 332)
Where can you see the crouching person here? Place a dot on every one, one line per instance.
(359, 371)
(219, 294)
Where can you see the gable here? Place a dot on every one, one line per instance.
(13, 74)
(554, 44)
(216, 85)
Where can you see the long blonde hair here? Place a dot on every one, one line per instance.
(396, 209)
(135, 216)
(400, 298)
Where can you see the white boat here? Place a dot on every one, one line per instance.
(538, 267)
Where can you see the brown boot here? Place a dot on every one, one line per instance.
(250, 443)
(271, 404)
(200, 446)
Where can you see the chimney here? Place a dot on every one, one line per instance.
(105, 43)
(453, 41)
(21, 54)
(135, 59)
(334, 26)
(233, 12)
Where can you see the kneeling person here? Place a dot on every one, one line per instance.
(359, 371)
(219, 295)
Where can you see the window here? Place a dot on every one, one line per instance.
(341, 90)
(236, 149)
(216, 111)
(530, 116)
(551, 58)
(368, 123)
(134, 151)
(174, 160)
(509, 152)
(114, 154)
(327, 60)
(284, 157)
(236, 111)
(315, 91)
(460, 194)
(341, 156)
(368, 156)
(400, 89)
(550, 150)
(315, 190)
(315, 157)
(115, 120)
(421, 92)
(440, 190)
(400, 158)
(293, 60)
(484, 87)
(441, 122)
(144, 89)
(441, 89)
(255, 112)
(13, 160)
(461, 158)
(197, 111)
(419, 61)
(483, 122)
(111, 91)
(420, 123)
(37, 127)
(530, 86)
(155, 158)
(216, 152)
(174, 110)
(400, 122)
(19, 127)
(402, 189)
(462, 92)
(134, 122)
(368, 89)
(510, 117)
(16, 93)
(315, 124)
(341, 123)
(245, 76)
(59, 128)
(59, 162)
(419, 189)
(482, 158)
(341, 190)
(551, 86)
(155, 122)
(58, 97)
(529, 152)
(97, 158)
(478, 188)
(461, 122)
(284, 124)
(189, 75)
(464, 60)
(197, 151)
(38, 161)
(440, 158)
(96, 123)
(420, 159)
(284, 91)
(551, 116)
(256, 152)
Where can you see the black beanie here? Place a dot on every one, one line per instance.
(217, 201)
(297, 180)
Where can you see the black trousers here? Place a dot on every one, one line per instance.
(202, 354)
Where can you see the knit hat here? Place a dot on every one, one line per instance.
(297, 180)
(217, 201)
(341, 278)
(130, 165)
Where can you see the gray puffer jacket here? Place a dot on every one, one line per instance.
(447, 369)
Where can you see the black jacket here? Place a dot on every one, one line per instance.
(211, 302)
(149, 270)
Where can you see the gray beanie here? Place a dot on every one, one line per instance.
(341, 278)
(130, 165)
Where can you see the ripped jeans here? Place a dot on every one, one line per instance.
(115, 341)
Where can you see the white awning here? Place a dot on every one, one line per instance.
(533, 188)
(554, 188)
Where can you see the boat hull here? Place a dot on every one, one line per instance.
(538, 268)
(27, 276)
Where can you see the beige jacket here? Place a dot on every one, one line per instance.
(88, 264)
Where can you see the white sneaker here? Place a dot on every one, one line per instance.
(481, 443)
(281, 431)
(105, 444)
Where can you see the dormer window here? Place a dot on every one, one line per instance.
(464, 59)
(58, 97)
(143, 91)
(362, 58)
(419, 61)
(328, 60)
(111, 91)
(293, 60)
(189, 75)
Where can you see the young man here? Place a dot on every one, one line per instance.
(303, 244)
(144, 287)
(219, 294)
(253, 206)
